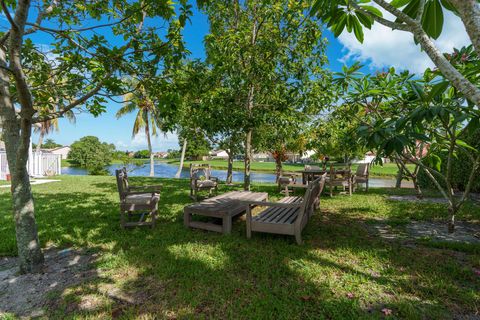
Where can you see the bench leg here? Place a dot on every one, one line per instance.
(298, 238)
(227, 225)
(187, 218)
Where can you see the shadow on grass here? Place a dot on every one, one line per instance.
(170, 271)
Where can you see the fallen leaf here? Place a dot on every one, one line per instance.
(350, 295)
(306, 298)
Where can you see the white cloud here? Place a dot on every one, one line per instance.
(159, 143)
(384, 47)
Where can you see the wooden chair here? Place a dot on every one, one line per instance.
(136, 201)
(361, 176)
(340, 178)
(287, 184)
(201, 179)
(289, 215)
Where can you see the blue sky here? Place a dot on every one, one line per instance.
(382, 48)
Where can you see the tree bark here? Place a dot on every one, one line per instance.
(229, 179)
(469, 11)
(149, 142)
(248, 141)
(278, 168)
(182, 158)
(40, 140)
(398, 183)
(16, 134)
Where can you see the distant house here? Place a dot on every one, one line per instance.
(160, 155)
(368, 158)
(62, 151)
(262, 156)
(219, 154)
(40, 164)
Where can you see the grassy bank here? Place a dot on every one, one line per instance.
(341, 272)
(387, 170)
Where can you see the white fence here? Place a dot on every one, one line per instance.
(39, 164)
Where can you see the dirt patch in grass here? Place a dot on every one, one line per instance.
(465, 232)
(25, 294)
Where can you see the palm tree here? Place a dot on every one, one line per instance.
(46, 127)
(148, 117)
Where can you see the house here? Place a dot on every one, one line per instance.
(40, 164)
(62, 151)
(160, 155)
(219, 154)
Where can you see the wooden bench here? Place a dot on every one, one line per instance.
(225, 206)
(287, 216)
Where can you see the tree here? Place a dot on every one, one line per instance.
(148, 117)
(422, 121)
(46, 127)
(256, 44)
(86, 71)
(422, 18)
(90, 153)
(51, 144)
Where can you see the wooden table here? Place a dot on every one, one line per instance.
(225, 206)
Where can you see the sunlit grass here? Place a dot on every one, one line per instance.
(341, 272)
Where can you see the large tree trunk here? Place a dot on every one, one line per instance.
(40, 139)
(278, 168)
(229, 179)
(16, 134)
(182, 159)
(399, 178)
(248, 159)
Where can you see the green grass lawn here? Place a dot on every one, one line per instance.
(388, 169)
(340, 272)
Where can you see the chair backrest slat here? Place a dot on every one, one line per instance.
(195, 169)
(362, 170)
(122, 182)
(310, 199)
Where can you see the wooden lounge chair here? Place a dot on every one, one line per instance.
(136, 201)
(340, 178)
(287, 216)
(361, 176)
(201, 179)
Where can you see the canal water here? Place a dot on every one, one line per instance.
(165, 170)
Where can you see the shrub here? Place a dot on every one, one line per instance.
(90, 153)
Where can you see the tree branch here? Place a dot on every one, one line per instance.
(385, 22)
(469, 11)
(9, 17)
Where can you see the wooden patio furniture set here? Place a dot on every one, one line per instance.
(288, 216)
(335, 177)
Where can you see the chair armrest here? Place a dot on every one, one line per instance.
(140, 192)
(273, 204)
(154, 187)
(214, 179)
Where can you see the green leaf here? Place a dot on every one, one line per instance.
(316, 7)
(339, 26)
(373, 10)
(357, 29)
(410, 10)
(437, 90)
(432, 19)
(399, 3)
(364, 19)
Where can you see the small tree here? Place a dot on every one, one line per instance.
(90, 153)
(422, 18)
